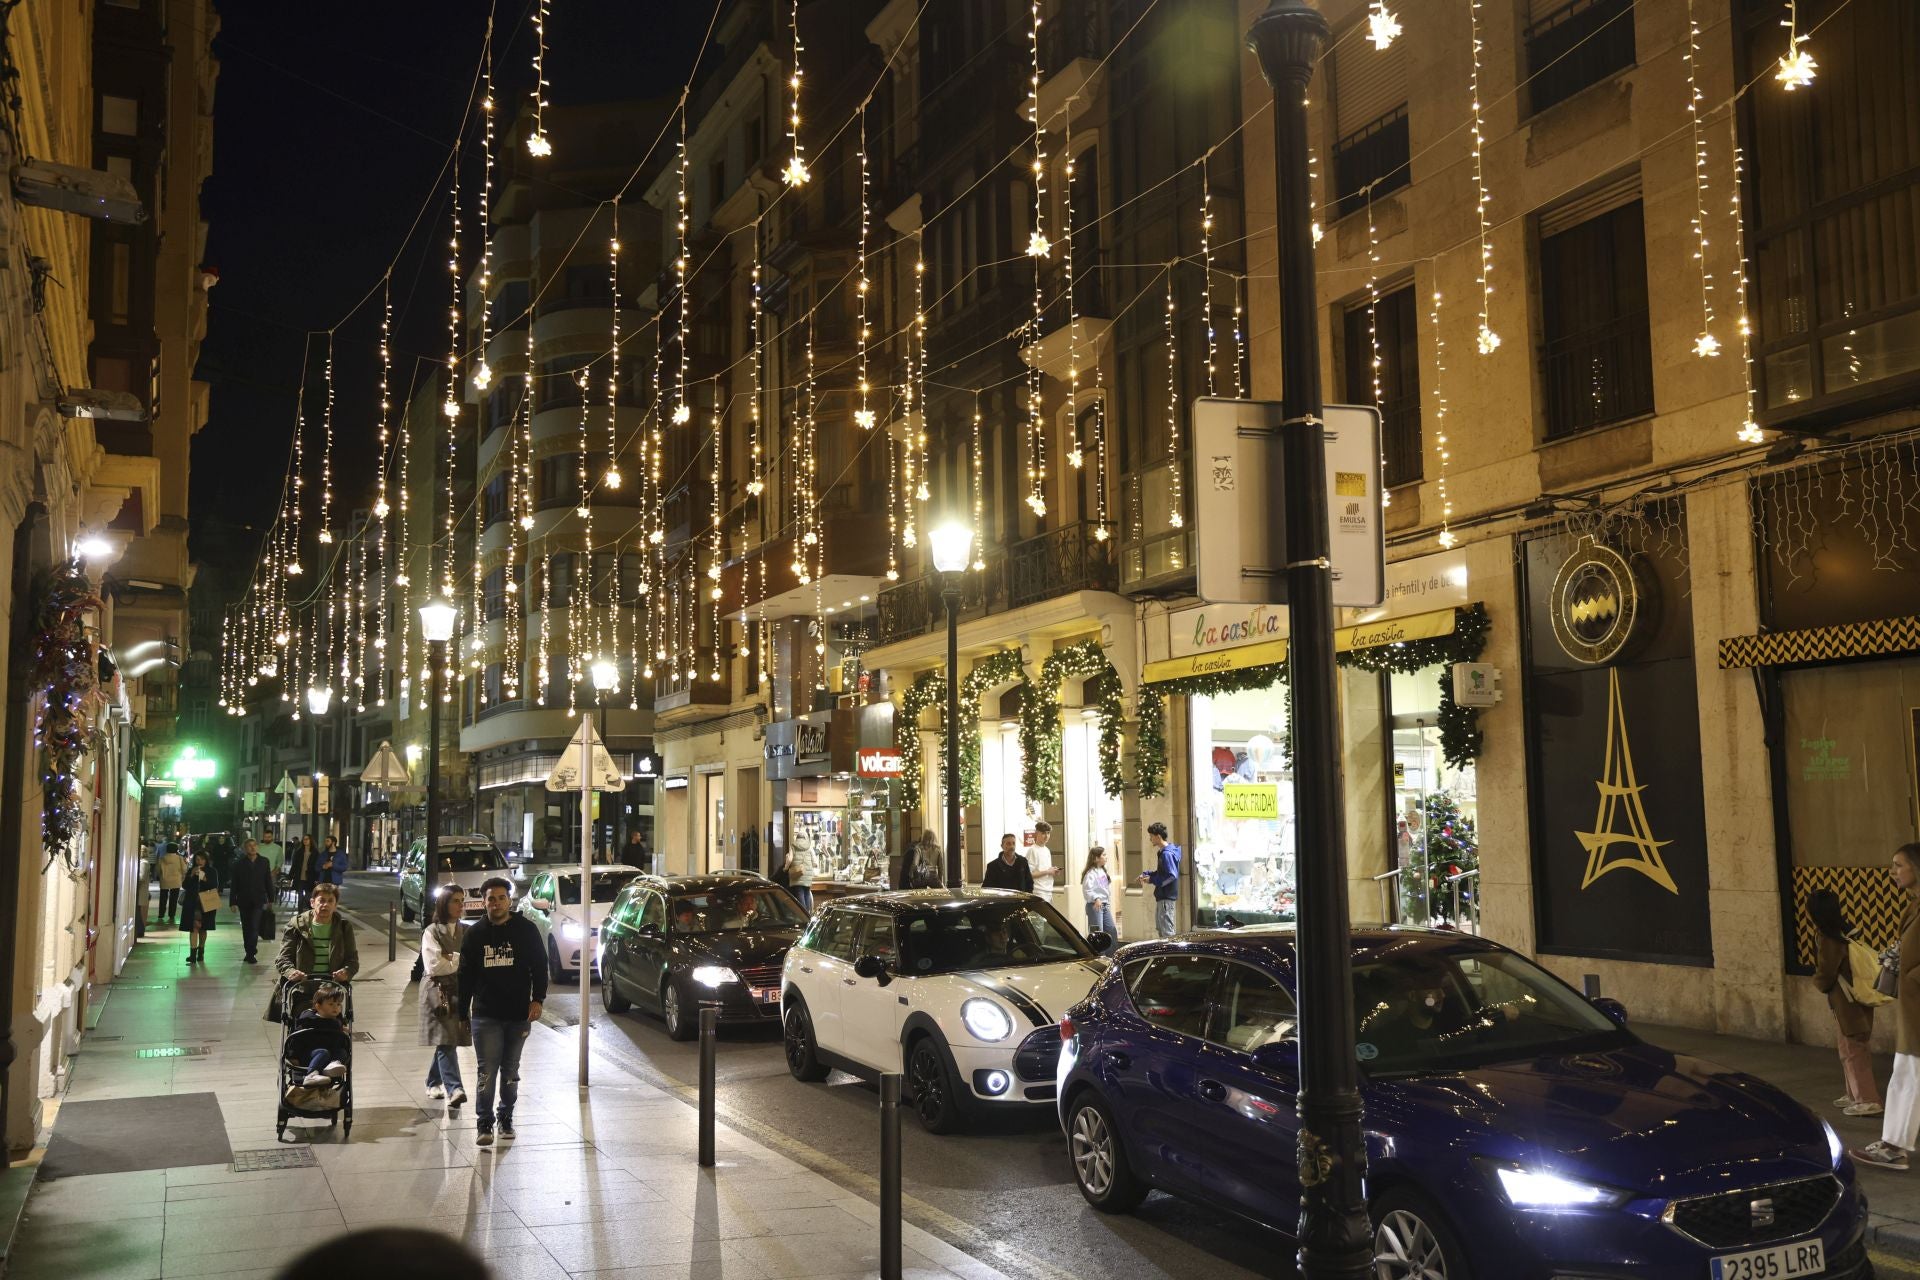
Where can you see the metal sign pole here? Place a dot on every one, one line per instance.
(587, 744)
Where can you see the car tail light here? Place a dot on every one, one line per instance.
(1066, 1028)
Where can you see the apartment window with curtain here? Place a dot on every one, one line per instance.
(1833, 209)
(1371, 150)
(1392, 320)
(1573, 44)
(1596, 360)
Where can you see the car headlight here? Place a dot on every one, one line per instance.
(571, 931)
(714, 975)
(1538, 1189)
(1835, 1148)
(986, 1020)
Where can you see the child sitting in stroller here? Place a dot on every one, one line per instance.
(323, 1047)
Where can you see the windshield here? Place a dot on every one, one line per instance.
(1421, 1010)
(471, 857)
(605, 887)
(759, 906)
(987, 935)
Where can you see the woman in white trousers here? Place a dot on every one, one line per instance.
(1900, 1127)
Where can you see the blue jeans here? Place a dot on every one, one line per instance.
(444, 1070)
(1100, 920)
(498, 1043)
(805, 895)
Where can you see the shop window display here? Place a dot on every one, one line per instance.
(1244, 832)
(1434, 809)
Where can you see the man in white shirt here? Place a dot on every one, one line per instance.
(1040, 857)
(270, 851)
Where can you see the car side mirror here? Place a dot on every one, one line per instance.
(542, 904)
(1280, 1055)
(649, 930)
(1612, 1008)
(1101, 941)
(873, 967)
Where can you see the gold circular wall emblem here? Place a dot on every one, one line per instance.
(1600, 604)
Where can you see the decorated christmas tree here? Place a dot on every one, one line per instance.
(1450, 848)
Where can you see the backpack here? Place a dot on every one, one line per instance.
(1862, 959)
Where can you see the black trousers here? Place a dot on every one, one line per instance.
(169, 903)
(250, 929)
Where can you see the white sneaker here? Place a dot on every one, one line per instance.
(435, 1092)
(317, 1078)
(1843, 1102)
(456, 1099)
(1865, 1109)
(335, 1070)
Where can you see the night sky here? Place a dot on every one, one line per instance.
(330, 124)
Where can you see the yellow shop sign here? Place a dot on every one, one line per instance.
(1252, 799)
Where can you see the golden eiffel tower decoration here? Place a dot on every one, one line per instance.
(1620, 793)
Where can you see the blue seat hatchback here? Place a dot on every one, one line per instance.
(1515, 1129)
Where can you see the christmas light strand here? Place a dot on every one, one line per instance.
(863, 415)
(1749, 432)
(796, 172)
(1487, 341)
(325, 534)
(1706, 344)
(482, 373)
(1441, 444)
(538, 144)
(682, 408)
(1175, 516)
(1206, 277)
(1796, 67)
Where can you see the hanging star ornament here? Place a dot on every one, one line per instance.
(1038, 245)
(1382, 26)
(796, 172)
(1488, 341)
(1706, 345)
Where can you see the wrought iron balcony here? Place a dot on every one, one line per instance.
(1041, 568)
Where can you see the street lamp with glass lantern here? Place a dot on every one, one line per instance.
(319, 700)
(436, 628)
(606, 679)
(952, 548)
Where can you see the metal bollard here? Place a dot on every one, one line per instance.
(890, 1176)
(709, 1033)
(393, 932)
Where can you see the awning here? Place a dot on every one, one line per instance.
(1822, 644)
(1367, 635)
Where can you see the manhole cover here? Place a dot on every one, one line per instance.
(280, 1158)
(174, 1051)
(364, 1037)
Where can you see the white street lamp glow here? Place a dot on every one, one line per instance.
(952, 544)
(93, 547)
(436, 621)
(606, 676)
(319, 698)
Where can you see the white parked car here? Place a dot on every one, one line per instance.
(465, 861)
(961, 990)
(552, 903)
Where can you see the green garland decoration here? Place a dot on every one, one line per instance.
(928, 688)
(66, 674)
(1040, 721)
(1460, 735)
(996, 668)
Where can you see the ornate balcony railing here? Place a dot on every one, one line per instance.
(1041, 568)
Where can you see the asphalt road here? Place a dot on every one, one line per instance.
(1004, 1194)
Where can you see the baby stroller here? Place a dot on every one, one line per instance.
(333, 1103)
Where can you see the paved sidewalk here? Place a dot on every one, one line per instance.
(1812, 1075)
(603, 1186)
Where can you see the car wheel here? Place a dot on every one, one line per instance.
(610, 993)
(936, 1098)
(1412, 1241)
(681, 1025)
(797, 1038)
(553, 964)
(1100, 1159)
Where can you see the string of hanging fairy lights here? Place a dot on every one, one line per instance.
(538, 144)
(1176, 504)
(796, 172)
(1706, 344)
(1442, 446)
(1206, 276)
(325, 534)
(1076, 456)
(1796, 67)
(1487, 341)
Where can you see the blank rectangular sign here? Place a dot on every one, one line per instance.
(1239, 499)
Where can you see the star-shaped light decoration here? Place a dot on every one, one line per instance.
(1706, 345)
(539, 145)
(796, 172)
(1038, 245)
(1382, 26)
(1488, 342)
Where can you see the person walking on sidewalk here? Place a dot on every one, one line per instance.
(1165, 879)
(304, 868)
(440, 1022)
(251, 895)
(318, 943)
(1009, 870)
(197, 917)
(170, 869)
(503, 983)
(1039, 857)
(1096, 886)
(333, 863)
(1900, 1127)
(1853, 1021)
(800, 869)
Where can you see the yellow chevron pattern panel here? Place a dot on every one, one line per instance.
(1867, 897)
(1822, 644)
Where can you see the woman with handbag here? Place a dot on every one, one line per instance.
(440, 1022)
(1852, 1014)
(199, 906)
(1900, 1127)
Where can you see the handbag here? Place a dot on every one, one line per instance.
(210, 901)
(267, 922)
(1887, 981)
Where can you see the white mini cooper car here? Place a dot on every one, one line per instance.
(960, 990)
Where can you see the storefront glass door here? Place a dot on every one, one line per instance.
(1434, 809)
(1244, 832)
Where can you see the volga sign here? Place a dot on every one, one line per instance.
(880, 762)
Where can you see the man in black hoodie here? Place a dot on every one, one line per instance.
(503, 980)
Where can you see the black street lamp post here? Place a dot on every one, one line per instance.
(1335, 1237)
(436, 628)
(952, 544)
